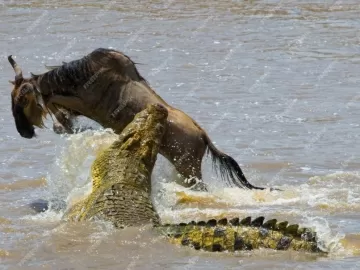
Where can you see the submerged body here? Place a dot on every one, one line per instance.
(122, 195)
(106, 87)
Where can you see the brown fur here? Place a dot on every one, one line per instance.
(106, 86)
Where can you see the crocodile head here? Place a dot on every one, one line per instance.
(121, 174)
(136, 147)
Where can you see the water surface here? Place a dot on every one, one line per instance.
(274, 83)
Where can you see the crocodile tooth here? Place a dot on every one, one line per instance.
(234, 221)
(301, 231)
(281, 226)
(270, 224)
(292, 230)
(223, 221)
(257, 222)
(211, 222)
(246, 221)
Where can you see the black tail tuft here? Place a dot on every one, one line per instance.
(229, 168)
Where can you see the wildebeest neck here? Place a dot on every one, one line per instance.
(101, 64)
(106, 84)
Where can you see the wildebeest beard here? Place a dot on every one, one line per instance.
(23, 125)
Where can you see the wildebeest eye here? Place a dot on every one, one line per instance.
(23, 102)
(21, 99)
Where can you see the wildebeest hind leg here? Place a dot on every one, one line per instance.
(190, 171)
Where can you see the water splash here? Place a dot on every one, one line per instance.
(306, 204)
(72, 167)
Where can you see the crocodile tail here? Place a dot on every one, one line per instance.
(246, 234)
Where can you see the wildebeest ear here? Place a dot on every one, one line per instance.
(12, 82)
(18, 80)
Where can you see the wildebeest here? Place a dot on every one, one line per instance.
(106, 86)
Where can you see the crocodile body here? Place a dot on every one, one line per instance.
(122, 195)
(121, 175)
(235, 234)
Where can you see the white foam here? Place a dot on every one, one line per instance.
(48, 216)
(78, 194)
(72, 167)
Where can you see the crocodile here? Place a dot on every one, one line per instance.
(121, 174)
(121, 194)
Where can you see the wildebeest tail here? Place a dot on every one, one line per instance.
(228, 167)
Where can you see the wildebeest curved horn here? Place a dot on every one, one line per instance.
(15, 66)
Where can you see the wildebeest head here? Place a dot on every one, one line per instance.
(25, 103)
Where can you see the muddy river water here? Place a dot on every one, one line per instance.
(275, 84)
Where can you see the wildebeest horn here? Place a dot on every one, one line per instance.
(15, 66)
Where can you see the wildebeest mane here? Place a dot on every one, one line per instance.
(80, 72)
(70, 75)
